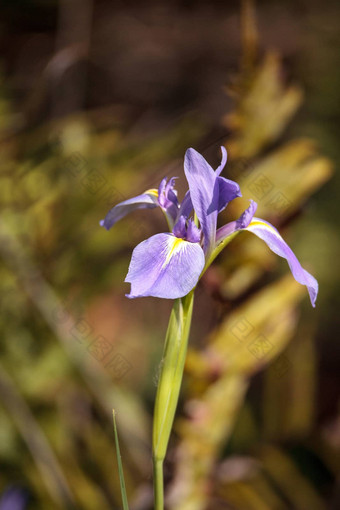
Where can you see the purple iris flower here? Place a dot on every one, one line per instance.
(13, 498)
(169, 265)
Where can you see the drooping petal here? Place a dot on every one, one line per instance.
(274, 241)
(204, 193)
(147, 200)
(164, 266)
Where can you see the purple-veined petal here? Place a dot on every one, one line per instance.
(168, 201)
(186, 206)
(223, 161)
(170, 191)
(147, 200)
(186, 229)
(274, 241)
(180, 229)
(193, 232)
(204, 193)
(164, 266)
(246, 216)
(228, 190)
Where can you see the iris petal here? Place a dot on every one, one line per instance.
(167, 199)
(274, 241)
(209, 192)
(179, 229)
(193, 232)
(228, 190)
(223, 161)
(240, 224)
(164, 266)
(147, 200)
(204, 194)
(186, 206)
(247, 216)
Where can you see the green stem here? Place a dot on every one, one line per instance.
(218, 250)
(158, 484)
(169, 386)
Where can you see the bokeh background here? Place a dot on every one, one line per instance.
(98, 101)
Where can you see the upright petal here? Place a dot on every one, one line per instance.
(164, 266)
(274, 241)
(147, 200)
(186, 229)
(180, 228)
(204, 193)
(193, 232)
(167, 199)
(186, 206)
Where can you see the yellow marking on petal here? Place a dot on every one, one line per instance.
(258, 223)
(174, 248)
(152, 191)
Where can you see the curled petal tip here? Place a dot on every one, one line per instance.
(247, 216)
(223, 161)
(104, 224)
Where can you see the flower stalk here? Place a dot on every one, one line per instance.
(169, 386)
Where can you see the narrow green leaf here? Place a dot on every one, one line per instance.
(120, 466)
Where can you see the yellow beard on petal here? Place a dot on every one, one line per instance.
(152, 191)
(176, 244)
